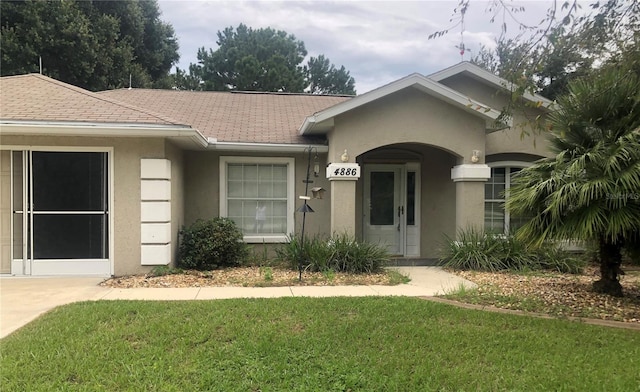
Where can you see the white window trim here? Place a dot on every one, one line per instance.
(507, 165)
(224, 212)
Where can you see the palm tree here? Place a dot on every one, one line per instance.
(591, 189)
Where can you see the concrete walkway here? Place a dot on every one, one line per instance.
(24, 299)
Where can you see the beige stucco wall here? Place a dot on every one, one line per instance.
(125, 210)
(522, 137)
(407, 116)
(202, 185)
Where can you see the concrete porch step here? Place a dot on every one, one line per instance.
(412, 262)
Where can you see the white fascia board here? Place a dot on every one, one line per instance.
(66, 128)
(426, 85)
(487, 76)
(264, 147)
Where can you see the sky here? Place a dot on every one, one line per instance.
(376, 41)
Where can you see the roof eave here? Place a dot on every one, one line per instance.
(65, 128)
(490, 78)
(414, 80)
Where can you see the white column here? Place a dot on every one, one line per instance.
(469, 180)
(343, 177)
(155, 211)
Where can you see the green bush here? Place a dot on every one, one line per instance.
(211, 244)
(341, 253)
(477, 250)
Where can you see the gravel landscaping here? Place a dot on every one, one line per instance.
(252, 277)
(561, 295)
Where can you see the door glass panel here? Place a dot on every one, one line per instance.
(411, 198)
(382, 198)
(69, 181)
(69, 236)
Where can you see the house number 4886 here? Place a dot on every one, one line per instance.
(345, 172)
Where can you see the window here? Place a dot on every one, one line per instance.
(496, 218)
(258, 195)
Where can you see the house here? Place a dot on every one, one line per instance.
(101, 183)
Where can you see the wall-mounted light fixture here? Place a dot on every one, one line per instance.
(475, 156)
(344, 157)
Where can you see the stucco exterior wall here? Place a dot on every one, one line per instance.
(521, 137)
(202, 190)
(125, 210)
(408, 116)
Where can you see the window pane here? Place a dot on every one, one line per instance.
(497, 175)
(265, 190)
(235, 189)
(250, 172)
(494, 217)
(234, 171)
(250, 189)
(256, 198)
(382, 198)
(280, 173)
(411, 198)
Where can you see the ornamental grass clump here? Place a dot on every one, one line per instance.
(340, 253)
(476, 250)
(211, 244)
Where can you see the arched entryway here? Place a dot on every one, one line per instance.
(406, 199)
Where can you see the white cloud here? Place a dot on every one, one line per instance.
(377, 41)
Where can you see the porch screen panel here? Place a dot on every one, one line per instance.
(382, 210)
(257, 197)
(70, 205)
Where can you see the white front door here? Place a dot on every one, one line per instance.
(60, 213)
(390, 209)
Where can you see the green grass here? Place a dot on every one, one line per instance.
(306, 344)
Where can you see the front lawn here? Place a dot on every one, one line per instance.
(307, 344)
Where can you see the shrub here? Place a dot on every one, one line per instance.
(477, 250)
(341, 253)
(211, 244)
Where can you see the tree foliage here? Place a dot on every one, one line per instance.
(569, 42)
(590, 189)
(92, 44)
(262, 60)
(324, 78)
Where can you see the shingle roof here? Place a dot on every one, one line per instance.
(35, 97)
(233, 117)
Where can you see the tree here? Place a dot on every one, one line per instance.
(324, 78)
(568, 43)
(590, 190)
(92, 44)
(264, 60)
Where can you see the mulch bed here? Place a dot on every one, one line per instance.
(247, 277)
(561, 295)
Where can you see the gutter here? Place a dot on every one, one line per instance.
(69, 128)
(214, 144)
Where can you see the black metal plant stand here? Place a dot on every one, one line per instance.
(306, 207)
